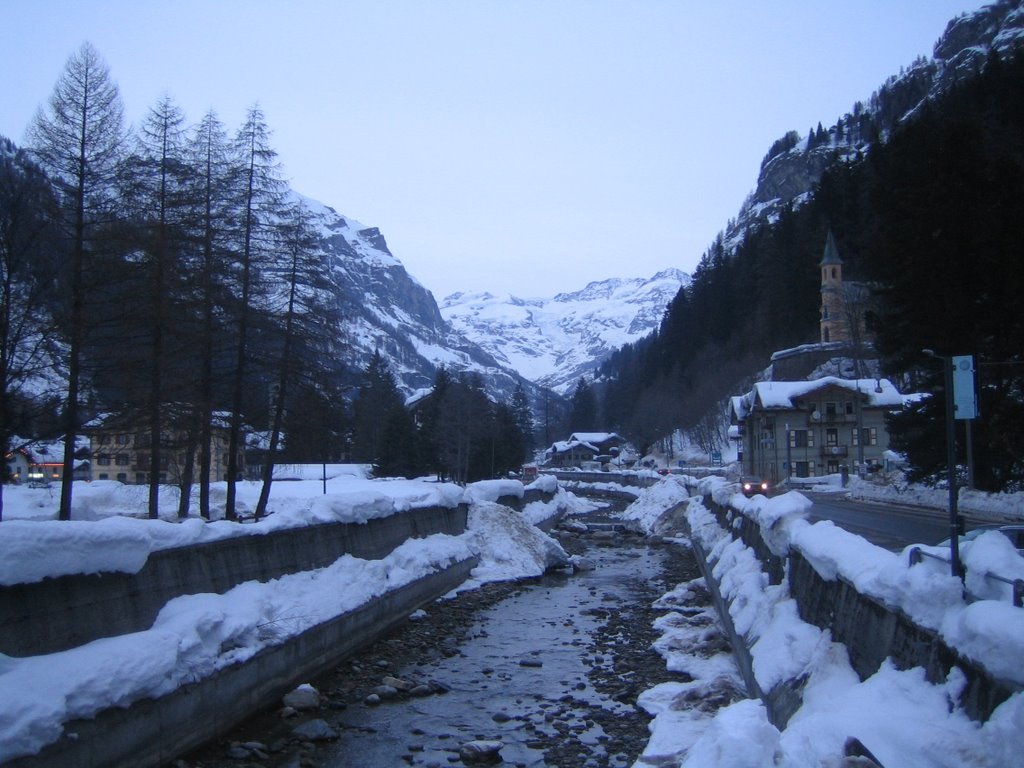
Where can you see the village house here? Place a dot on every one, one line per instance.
(42, 462)
(121, 451)
(810, 428)
(581, 447)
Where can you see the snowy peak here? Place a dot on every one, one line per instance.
(553, 342)
(386, 310)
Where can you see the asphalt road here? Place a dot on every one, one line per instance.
(886, 525)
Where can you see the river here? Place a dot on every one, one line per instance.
(550, 668)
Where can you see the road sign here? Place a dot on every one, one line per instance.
(965, 401)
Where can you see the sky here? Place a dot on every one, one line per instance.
(517, 146)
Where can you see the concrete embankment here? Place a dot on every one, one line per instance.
(154, 731)
(871, 630)
(68, 611)
(64, 612)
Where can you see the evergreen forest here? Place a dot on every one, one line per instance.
(165, 283)
(929, 220)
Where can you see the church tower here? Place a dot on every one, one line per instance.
(834, 322)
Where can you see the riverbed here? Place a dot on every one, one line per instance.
(549, 668)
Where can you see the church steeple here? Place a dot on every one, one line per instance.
(833, 320)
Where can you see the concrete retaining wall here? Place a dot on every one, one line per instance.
(153, 732)
(65, 612)
(631, 480)
(871, 630)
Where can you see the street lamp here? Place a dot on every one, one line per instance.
(954, 517)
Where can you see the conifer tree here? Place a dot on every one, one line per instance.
(156, 190)
(259, 207)
(210, 157)
(79, 139)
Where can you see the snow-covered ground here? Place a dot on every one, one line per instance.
(195, 635)
(901, 717)
(904, 720)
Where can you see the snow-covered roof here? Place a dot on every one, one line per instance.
(593, 437)
(781, 395)
(564, 446)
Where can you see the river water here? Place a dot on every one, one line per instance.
(551, 672)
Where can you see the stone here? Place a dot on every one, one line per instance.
(237, 752)
(501, 717)
(421, 690)
(398, 683)
(580, 563)
(315, 730)
(531, 663)
(480, 751)
(372, 700)
(386, 692)
(303, 698)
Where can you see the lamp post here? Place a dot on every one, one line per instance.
(954, 517)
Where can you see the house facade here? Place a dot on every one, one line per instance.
(811, 428)
(42, 462)
(584, 447)
(122, 453)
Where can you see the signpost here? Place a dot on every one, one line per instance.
(961, 403)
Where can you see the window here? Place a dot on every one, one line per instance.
(869, 435)
(830, 410)
(121, 460)
(831, 437)
(804, 468)
(122, 439)
(103, 459)
(122, 477)
(103, 476)
(140, 477)
(801, 438)
(849, 407)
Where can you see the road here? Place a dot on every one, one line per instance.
(887, 525)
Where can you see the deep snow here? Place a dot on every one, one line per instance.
(904, 719)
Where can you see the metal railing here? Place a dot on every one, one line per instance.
(917, 555)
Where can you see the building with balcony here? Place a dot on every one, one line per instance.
(810, 428)
(120, 450)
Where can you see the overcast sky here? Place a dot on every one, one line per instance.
(523, 146)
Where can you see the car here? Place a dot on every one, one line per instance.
(752, 486)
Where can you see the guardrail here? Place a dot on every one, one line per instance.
(917, 555)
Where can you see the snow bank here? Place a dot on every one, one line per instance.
(655, 501)
(508, 545)
(901, 717)
(193, 637)
(109, 533)
(196, 635)
(993, 506)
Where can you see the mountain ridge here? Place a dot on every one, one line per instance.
(555, 341)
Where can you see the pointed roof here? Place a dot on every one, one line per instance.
(831, 252)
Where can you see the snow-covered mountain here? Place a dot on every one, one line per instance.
(385, 309)
(796, 162)
(555, 341)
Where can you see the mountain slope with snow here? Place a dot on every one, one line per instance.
(385, 309)
(555, 341)
(795, 164)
